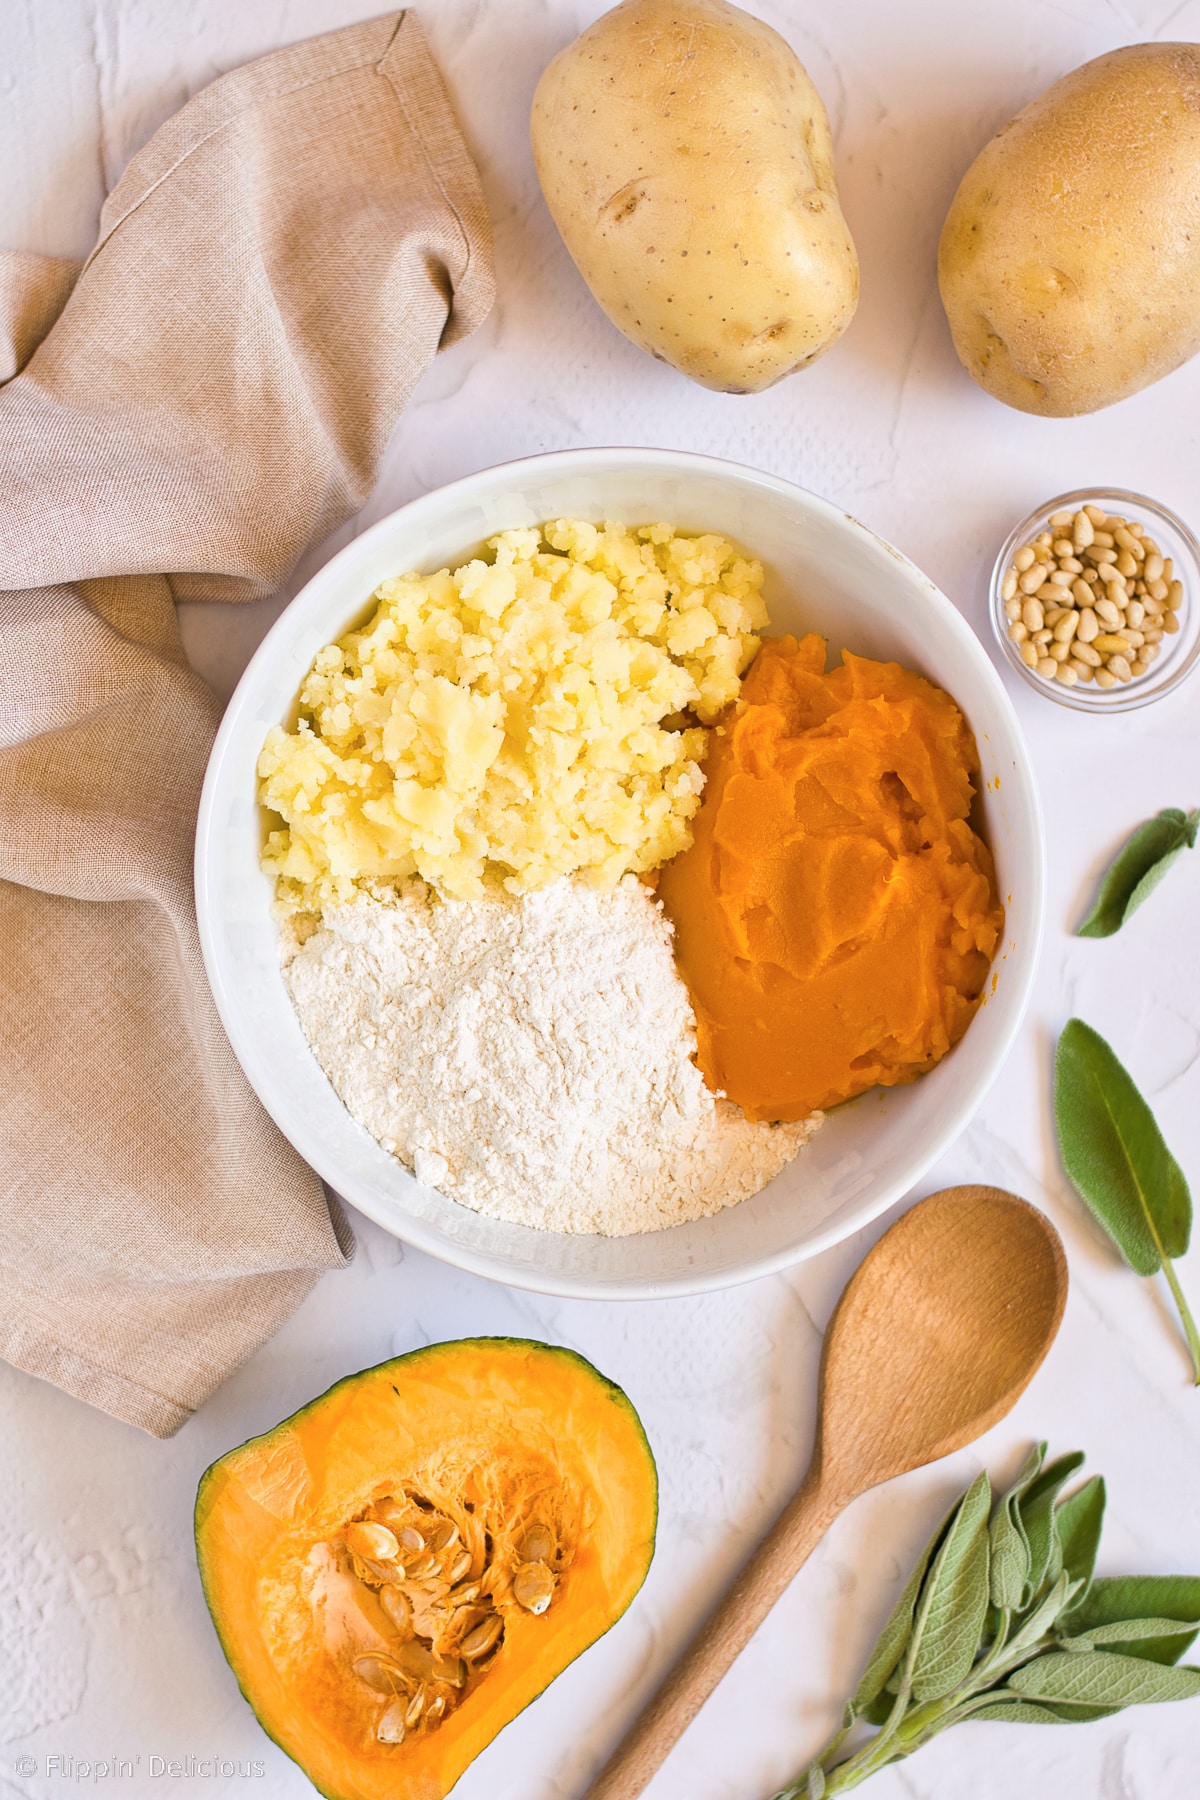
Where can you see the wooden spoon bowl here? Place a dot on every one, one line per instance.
(938, 1332)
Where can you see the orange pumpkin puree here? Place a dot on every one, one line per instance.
(835, 915)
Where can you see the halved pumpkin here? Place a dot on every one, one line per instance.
(403, 1565)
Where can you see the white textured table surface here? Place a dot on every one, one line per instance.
(105, 1647)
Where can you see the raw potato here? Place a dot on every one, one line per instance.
(1070, 258)
(687, 161)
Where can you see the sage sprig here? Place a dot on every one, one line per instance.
(1138, 867)
(1003, 1620)
(1119, 1163)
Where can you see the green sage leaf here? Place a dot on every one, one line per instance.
(1009, 1545)
(892, 1639)
(1128, 1631)
(953, 1606)
(1137, 869)
(1102, 1678)
(1014, 1711)
(1079, 1519)
(1115, 1154)
(1039, 1519)
(1112, 1599)
(1039, 1621)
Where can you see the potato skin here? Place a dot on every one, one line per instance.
(686, 159)
(1069, 263)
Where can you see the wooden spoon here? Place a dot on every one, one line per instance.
(940, 1329)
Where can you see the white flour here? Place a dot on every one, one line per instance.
(530, 1058)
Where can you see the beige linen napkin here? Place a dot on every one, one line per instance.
(213, 393)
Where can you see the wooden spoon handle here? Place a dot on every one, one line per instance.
(800, 1527)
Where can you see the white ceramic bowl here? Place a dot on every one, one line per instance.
(825, 572)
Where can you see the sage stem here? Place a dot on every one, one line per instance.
(1185, 1317)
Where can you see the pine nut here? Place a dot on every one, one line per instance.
(1089, 599)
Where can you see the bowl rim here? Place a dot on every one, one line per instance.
(254, 1059)
(1090, 699)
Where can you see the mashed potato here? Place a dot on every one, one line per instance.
(514, 720)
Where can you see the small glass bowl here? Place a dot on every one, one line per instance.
(1179, 653)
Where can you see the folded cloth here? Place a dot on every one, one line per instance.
(212, 394)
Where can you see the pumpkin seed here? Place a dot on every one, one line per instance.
(396, 1605)
(443, 1536)
(459, 1567)
(538, 1544)
(390, 1729)
(533, 1587)
(484, 1637)
(423, 1664)
(381, 1674)
(411, 1539)
(416, 1707)
(373, 1543)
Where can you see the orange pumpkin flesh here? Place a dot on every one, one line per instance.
(500, 1430)
(835, 916)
